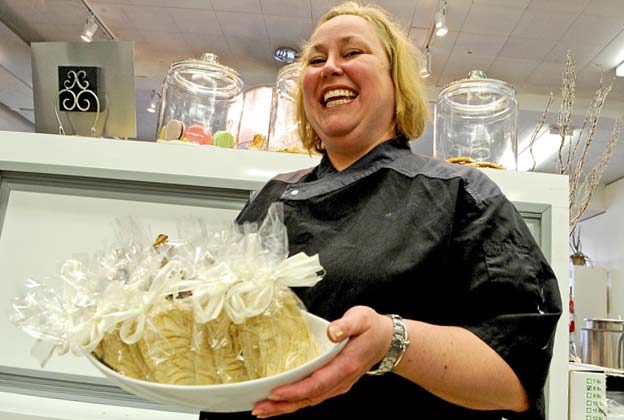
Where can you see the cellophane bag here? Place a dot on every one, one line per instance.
(214, 306)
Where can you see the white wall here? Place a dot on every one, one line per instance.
(15, 80)
(603, 241)
(12, 121)
(603, 236)
(15, 56)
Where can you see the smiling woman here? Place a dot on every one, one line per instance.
(431, 271)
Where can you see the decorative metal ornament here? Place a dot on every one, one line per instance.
(78, 92)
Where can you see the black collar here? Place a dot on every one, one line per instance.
(383, 152)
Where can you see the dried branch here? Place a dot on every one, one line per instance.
(538, 128)
(575, 241)
(586, 138)
(577, 256)
(592, 180)
(564, 122)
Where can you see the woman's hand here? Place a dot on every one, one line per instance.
(369, 336)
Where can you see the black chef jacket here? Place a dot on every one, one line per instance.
(427, 240)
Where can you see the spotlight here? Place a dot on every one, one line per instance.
(426, 70)
(619, 70)
(440, 20)
(89, 29)
(285, 55)
(154, 100)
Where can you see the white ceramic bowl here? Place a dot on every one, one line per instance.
(239, 396)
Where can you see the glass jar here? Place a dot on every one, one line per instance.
(254, 127)
(283, 127)
(476, 123)
(201, 102)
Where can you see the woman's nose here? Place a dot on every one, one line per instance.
(332, 67)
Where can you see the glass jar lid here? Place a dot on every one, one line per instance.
(206, 77)
(289, 71)
(478, 94)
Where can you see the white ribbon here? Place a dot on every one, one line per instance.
(133, 325)
(126, 306)
(209, 288)
(113, 307)
(250, 298)
(247, 299)
(299, 270)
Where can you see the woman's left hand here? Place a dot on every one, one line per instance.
(369, 336)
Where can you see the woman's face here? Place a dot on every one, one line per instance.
(348, 92)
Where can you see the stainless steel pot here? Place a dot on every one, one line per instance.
(602, 342)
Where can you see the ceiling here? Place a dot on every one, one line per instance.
(523, 42)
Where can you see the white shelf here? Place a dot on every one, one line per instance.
(144, 161)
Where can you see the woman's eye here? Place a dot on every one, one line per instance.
(352, 53)
(316, 60)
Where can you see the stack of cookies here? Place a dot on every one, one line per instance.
(468, 161)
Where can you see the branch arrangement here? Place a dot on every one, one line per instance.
(571, 161)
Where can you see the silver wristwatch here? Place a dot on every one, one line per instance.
(397, 347)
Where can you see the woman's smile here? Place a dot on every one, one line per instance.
(336, 97)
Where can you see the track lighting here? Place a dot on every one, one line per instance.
(440, 20)
(154, 100)
(425, 71)
(89, 29)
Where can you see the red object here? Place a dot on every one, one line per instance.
(198, 134)
(571, 313)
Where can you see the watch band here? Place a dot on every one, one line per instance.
(398, 345)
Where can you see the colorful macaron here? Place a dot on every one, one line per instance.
(174, 130)
(223, 139)
(198, 134)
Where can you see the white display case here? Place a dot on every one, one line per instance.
(60, 196)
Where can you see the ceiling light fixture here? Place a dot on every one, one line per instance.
(619, 70)
(89, 29)
(98, 24)
(425, 71)
(154, 100)
(438, 28)
(440, 20)
(285, 55)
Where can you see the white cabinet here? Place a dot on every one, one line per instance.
(59, 195)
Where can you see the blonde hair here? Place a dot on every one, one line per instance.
(411, 109)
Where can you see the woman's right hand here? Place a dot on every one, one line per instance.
(369, 336)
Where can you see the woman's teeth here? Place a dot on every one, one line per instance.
(337, 102)
(338, 97)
